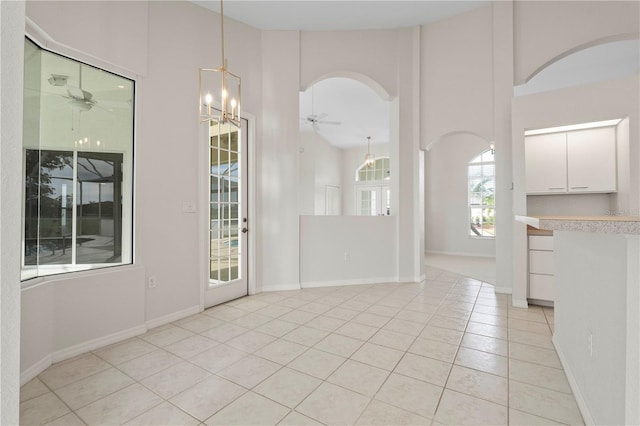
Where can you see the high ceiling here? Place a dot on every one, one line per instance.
(355, 106)
(328, 15)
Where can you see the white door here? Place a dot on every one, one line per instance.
(228, 221)
(373, 200)
(333, 201)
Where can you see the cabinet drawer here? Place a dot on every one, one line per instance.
(541, 287)
(541, 262)
(540, 242)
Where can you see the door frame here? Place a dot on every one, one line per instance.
(203, 198)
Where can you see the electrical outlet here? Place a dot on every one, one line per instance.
(347, 256)
(590, 344)
(152, 282)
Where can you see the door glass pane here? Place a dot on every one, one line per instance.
(225, 206)
(99, 208)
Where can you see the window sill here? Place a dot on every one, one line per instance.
(69, 272)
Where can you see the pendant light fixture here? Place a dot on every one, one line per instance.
(220, 88)
(369, 160)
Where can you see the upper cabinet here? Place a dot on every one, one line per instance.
(591, 156)
(581, 161)
(546, 162)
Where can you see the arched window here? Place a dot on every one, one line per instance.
(482, 188)
(373, 192)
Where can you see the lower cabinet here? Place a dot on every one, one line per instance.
(541, 268)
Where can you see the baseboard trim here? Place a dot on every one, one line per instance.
(456, 253)
(517, 303)
(174, 316)
(33, 371)
(78, 349)
(503, 290)
(285, 287)
(582, 404)
(93, 344)
(360, 281)
(411, 279)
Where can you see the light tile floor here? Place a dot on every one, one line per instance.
(445, 352)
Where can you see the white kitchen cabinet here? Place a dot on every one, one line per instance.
(541, 268)
(591, 160)
(546, 163)
(580, 161)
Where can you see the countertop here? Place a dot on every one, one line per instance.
(629, 225)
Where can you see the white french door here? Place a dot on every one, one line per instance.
(373, 200)
(228, 222)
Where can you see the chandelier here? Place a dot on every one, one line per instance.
(219, 88)
(369, 159)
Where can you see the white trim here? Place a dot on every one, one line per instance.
(100, 342)
(582, 404)
(360, 281)
(456, 253)
(43, 39)
(33, 371)
(410, 279)
(503, 290)
(284, 287)
(175, 316)
(79, 349)
(517, 303)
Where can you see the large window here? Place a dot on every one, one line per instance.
(78, 149)
(481, 186)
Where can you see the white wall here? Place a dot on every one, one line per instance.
(389, 60)
(467, 86)
(319, 165)
(593, 275)
(110, 304)
(12, 19)
(546, 31)
(456, 84)
(569, 205)
(278, 159)
(341, 250)
(620, 200)
(446, 197)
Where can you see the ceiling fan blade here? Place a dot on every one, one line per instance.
(320, 116)
(335, 123)
(75, 92)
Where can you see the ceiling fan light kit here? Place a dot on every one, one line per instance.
(229, 85)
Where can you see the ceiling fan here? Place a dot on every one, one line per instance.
(78, 98)
(316, 119)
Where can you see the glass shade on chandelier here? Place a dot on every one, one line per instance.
(369, 159)
(220, 89)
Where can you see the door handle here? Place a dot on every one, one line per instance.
(245, 230)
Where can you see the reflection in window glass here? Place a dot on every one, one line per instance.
(481, 190)
(78, 150)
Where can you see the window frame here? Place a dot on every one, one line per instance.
(482, 206)
(45, 44)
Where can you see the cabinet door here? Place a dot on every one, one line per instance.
(546, 163)
(592, 160)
